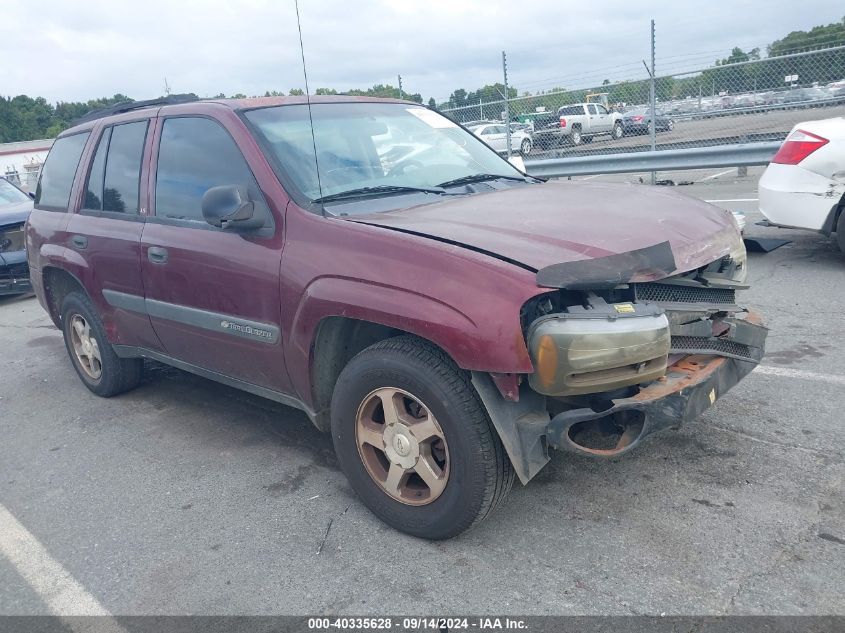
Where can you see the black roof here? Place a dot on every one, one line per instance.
(129, 106)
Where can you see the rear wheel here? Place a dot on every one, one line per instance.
(575, 136)
(618, 131)
(525, 147)
(91, 354)
(670, 125)
(415, 441)
(840, 231)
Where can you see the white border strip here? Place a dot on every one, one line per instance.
(60, 591)
(786, 372)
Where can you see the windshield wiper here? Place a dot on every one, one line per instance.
(365, 192)
(466, 180)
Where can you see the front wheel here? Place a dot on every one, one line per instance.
(415, 441)
(93, 358)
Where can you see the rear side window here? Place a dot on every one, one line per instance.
(196, 154)
(57, 175)
(571, 110)
(94, 188)
(114, 180)
(123, 168)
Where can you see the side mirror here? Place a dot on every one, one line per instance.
(229, 206)
(31, 194)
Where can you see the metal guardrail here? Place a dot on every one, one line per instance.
(743, 155)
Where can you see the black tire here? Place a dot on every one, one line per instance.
(525, 147)
(670, 125)
(116, 375)
(618, 131)
(575, 136)
(840, 231)
(480, 472)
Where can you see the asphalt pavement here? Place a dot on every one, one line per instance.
(188, 497)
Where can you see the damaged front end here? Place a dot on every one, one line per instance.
(616, 360)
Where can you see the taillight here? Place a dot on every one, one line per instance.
(637, 118)
(797, 147)
(562, 121)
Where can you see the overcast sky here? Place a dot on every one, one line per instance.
(79, 50)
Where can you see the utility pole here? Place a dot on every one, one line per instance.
(401, 94)
(507, 105)
(652, 103)
(481, 107)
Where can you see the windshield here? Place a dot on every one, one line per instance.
(9, 194)
(389, 146)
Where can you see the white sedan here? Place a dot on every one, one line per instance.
(804, 185)
(495, 135)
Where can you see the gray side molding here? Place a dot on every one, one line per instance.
(521, 425)
(205, 319)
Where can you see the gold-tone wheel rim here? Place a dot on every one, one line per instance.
(402, 446)
(85, 347)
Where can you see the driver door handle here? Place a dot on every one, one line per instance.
(157, 254)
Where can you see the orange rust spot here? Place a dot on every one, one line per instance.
(754, 317)
(690, 370)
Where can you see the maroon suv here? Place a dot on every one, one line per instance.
(447, 317)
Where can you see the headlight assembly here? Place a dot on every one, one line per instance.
(12, 239)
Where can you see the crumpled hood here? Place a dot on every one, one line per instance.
(556, 222)
(14, 213)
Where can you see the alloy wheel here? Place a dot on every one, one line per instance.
(402, 446)
(85, 347)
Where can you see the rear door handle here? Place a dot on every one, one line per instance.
(79, 241)
(157, 254)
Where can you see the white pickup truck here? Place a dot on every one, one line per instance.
(577, 123)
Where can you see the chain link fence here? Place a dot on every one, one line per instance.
(752, 100)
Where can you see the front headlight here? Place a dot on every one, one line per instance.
(12, 239)
(740, 259)
(596, 351)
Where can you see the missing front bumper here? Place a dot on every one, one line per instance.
(690, 387)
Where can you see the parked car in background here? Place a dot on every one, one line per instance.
(448, 318)
(495, 135)
(804, 185)
(638, 121)
(576, 124)
(804, 96)
(15, 206)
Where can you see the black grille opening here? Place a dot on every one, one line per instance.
(671, 293)
(718, 346)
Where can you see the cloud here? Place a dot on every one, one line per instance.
(76, 51)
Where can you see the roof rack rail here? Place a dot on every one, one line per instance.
(129, 106)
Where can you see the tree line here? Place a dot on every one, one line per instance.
(24, 118)
(732, 75)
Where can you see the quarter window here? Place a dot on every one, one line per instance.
(196, 154)
(59, 171)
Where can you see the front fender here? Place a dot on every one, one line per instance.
(470, 344)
